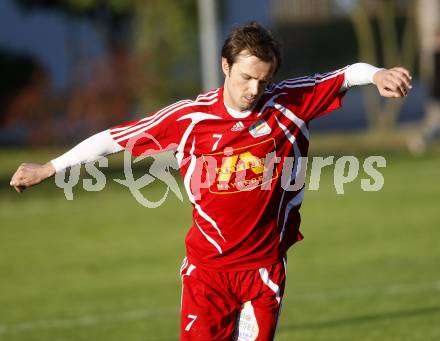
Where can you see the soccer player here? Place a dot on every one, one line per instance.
(232, 145)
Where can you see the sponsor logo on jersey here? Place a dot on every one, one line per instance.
(239, 126)
(259, 128)
(241, 169)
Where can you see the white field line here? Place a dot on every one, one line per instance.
(140, 314)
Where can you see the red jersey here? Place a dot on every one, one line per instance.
(232, 168)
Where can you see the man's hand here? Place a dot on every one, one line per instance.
(393, 83)
(30, 174)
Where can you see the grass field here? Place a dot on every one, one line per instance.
(102, 267)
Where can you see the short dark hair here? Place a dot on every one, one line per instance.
(257, 40)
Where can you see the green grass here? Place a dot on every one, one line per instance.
(102, 267)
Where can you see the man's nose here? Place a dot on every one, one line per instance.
(254, 87)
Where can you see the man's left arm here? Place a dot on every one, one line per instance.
(391, 83)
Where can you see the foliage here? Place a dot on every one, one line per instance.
(397, 50)
(160, 36)
(80, 7)
(165, 37)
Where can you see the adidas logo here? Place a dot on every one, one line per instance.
(239, 126)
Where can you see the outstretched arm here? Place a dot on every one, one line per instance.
(91, 149)
(391, 83)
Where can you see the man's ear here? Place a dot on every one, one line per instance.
(225, 66)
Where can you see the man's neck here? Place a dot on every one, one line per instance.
(237, 113)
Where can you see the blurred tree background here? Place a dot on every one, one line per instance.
(381, 33)
(152, 58)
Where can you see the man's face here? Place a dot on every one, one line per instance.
(245, 80)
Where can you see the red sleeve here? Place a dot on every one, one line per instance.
(152, 134)
(313, 96)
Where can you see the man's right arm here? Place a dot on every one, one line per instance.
(148, 135)
(91, 149)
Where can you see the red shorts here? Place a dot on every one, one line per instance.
(238, 305)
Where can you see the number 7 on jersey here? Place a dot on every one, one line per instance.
(189, 325)
(218, 137)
